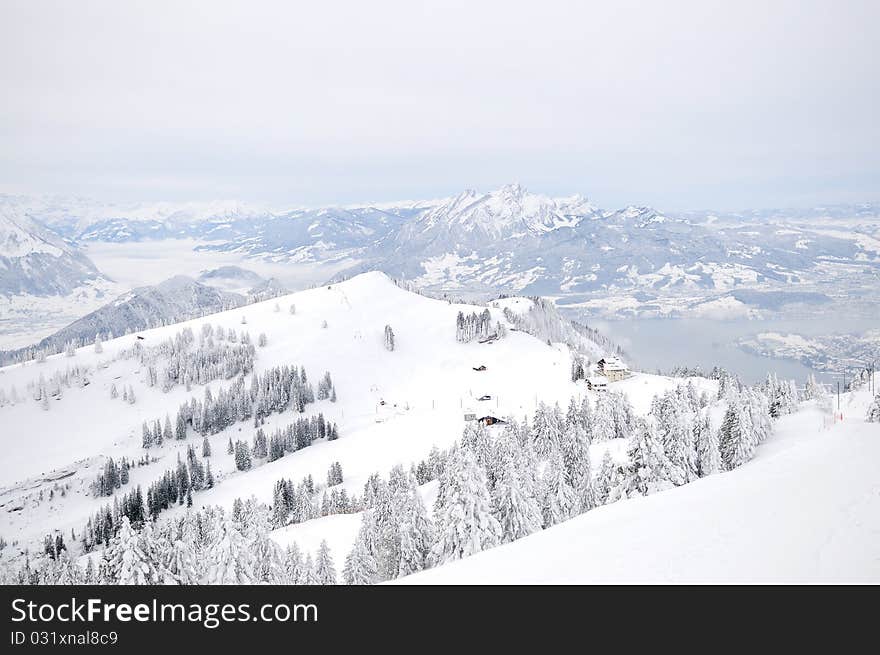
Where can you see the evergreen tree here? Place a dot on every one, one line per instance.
(604, 480)
(307, 576)
(229, 559)
(126, 562)
(648, 469)
(557, 495)
(873, 415)
(708, 456)
(736, 442)
(360, 565)
(293, 565)
(466, 524)
(325, 572)
(517, 511)
(389, 338)
(415, 529)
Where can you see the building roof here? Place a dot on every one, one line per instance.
(612, 364)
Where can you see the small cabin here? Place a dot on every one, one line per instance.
(597, 383)
(613, 368)
(489, 420)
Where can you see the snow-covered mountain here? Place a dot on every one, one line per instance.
(340, 329)
(390, 405)
(511, 240)
(177, 299)
(35, 261)
(634, 260)
(472, 218)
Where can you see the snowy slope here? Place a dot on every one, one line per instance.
(35, 261)
(428, 383)
(170, 301)
(806, 509)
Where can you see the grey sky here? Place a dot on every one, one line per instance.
(675, 104)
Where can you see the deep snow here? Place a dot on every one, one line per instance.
(427, 382)
(805, 510)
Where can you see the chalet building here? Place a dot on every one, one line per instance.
(489, 420)
(597, 383)
(612, 368)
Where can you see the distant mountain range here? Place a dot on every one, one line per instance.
(513, 241)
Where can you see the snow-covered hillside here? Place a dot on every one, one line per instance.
(427, 384)
(805, 510)
(406, 380)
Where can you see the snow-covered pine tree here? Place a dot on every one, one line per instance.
(389, 338)
(603, 481)
(307, 576)
(708, 456)
(672, 421)
(577, 368)
(516, 507)
(229, 559)
(603, 419)
(325, 571)
(180, 565)
(648, 469)
(126, 562)
(293, 565)
(873, 415)
(415, 530)
(736, 441)
(558, 501)
(547, 430)
(575, 452)
(360, 565)
(466, 524)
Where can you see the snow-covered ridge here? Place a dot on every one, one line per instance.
(338, 329)
(34, 260)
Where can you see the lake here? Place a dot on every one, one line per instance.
(663, 343)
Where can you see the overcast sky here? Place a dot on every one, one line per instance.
(674, 104)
